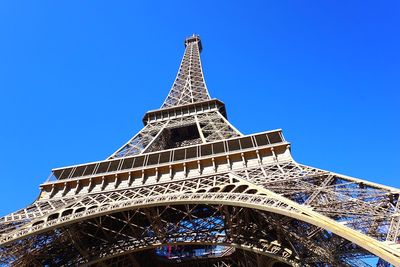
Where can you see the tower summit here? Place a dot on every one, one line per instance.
(188, 115)
(189, 85)
(190, 190)
(194, 39)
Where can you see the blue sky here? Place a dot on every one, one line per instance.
(76, 77)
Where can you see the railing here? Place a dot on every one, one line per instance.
(145, 201)
(184, 110)
(170, 156)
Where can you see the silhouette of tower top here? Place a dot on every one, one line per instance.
(194, 39)
(189, 85)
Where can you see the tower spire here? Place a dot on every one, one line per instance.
(188, 116)
(189, 85)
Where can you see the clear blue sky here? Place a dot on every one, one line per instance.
(76, 78)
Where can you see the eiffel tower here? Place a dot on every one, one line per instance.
(190, 190)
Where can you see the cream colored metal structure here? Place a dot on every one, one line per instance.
(190, 178)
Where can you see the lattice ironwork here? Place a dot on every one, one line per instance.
(189, 180)
(189, 85)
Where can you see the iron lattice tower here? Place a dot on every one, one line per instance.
(190, 190)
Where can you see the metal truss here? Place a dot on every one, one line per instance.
(140, 141)
(193, 129)
(189, 85)
(191, 179)
(232, 191)
(231, 258)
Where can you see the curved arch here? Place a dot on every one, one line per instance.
(282, 258)
(214, 189)
(270, 203)
(241, 188)
(81, 209)
(228, 188)
(251, 191)
(66, 212)
(52, 216)
(38, 222)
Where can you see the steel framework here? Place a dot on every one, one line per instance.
(190, 179)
